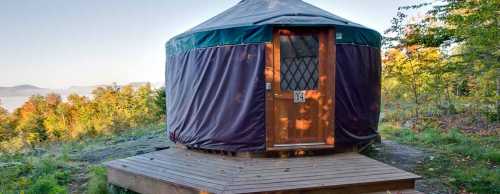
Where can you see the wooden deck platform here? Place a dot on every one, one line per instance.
(178, 170)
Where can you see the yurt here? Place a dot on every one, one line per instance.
(269, 75)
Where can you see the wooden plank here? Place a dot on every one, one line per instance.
(199, 158)
(330, 178)
(353, 189)
(331, 175)
(276, 88)
(310, 168)
(195, 161)
(165, 177)
(269, 76)
(186, 166)
(311, 160)
(183, 171)
(194, 173)
(307, 162)
(145, 185)
(325, 88)
(332, 59)
(166, 172)
(306, 171)
(158, 177)
(406, 191)
(317, 184)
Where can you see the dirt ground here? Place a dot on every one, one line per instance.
(407, 158)
(125, 147)
(113, 148)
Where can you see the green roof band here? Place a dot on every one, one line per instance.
(261, 34)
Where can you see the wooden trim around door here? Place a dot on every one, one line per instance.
(269, 77)
(272, 76)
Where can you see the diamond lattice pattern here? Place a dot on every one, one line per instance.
(299, 62)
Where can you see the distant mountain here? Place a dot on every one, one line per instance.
(29, 90)
(26, 87)
(22, 90)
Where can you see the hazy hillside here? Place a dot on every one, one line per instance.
(22, 90)
(15, 96)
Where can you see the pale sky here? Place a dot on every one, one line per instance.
(60, 43)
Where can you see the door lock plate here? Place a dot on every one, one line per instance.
(268, 86)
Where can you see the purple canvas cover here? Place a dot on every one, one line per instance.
(357, 95)
(216, 98)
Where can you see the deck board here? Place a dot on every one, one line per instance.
(183, 171)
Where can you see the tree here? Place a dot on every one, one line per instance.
(30, 117)
(412, 68)
(57, 118)
(470, 30)
(49, 118)
(83, 115)
(160, 101)
(6, 129)
(450, 55)
(146, 112)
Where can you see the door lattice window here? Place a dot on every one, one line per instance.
(299, 62)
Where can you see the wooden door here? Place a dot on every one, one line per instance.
(300, 74)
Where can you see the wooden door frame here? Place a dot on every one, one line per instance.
(272, 76)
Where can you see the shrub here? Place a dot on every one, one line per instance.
(477, 179)
(47, 185)
(97, 181)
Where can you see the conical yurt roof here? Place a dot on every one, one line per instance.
(255, 15)
(276, 12)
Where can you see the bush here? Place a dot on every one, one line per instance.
(97, 181)
(31, 173)
(492, 155)
(478, 179)
(462, 160)
(46, 185)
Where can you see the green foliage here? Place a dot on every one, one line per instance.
(48, 118)
(29, 173)
(70, 126)
(445, 62)
(6, 129)
(98, 181)
(64, 167)
(46, 185)
(160, 101)
(467, 162)
(477, 179)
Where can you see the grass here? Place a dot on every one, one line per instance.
(98, 182)
(57, 168)
(38, 175)
(466, 162)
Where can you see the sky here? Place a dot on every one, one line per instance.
(63, 43)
